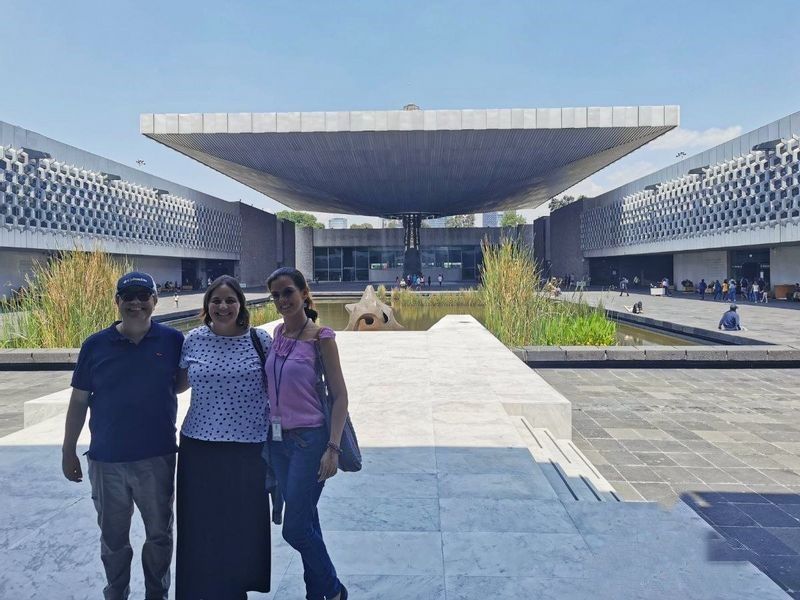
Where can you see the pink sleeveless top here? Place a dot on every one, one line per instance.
(291, 380)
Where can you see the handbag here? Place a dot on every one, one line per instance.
(350, 458)
(271, 482)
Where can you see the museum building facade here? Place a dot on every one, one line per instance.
(54, 197)
(730, 211)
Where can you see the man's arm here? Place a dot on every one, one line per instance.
(76, 417)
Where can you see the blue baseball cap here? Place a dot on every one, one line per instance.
(136, 279)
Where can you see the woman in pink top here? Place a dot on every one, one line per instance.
(302, 451)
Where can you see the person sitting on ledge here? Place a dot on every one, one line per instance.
(635, 309)
(730, 320)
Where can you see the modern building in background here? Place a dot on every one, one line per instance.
(412, 164)
(377, 255)
(55, 197)
(436, 223)
(731, 211)
(492, 219)
(337, 223)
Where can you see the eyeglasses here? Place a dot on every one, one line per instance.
(142, 296)
(285, 293)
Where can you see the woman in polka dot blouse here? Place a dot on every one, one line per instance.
(302, 451)
(223, 546)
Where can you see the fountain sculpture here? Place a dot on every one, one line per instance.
(370, 314)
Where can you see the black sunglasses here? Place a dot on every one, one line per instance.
(286, 293)
(142, 296)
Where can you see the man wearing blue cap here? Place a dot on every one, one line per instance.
(126, 374)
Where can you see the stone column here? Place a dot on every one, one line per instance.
(412, 262)
(304, 251)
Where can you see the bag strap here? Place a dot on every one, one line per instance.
(258, 346)
(322, 371)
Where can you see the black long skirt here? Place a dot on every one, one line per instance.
(223, 542)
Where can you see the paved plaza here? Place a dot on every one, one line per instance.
(726, 441)
(17, 387)
(450, 504)
(777, 322)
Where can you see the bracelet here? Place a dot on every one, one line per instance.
(334, 447)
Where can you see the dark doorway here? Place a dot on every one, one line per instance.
(189, 279)
(646, 268)
(751, 263)
(216, 268)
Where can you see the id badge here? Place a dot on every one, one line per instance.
(277, 432)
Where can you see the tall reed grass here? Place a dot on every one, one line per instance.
(404, 298)
(66, 299)
(263, 313)
(518, 314)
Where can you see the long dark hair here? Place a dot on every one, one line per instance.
(243, 318)
(302, 286)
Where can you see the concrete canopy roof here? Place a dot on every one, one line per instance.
(435, 162)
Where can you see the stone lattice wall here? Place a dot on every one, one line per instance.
(44, 195)
(758, 190)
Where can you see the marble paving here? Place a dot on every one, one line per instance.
(450, 504)
(726, 441)
(776, 322)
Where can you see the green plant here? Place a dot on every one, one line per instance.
(66, 300)
(518, 314)
(263, 313)
(404, 298)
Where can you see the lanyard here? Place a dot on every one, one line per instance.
(277, 375)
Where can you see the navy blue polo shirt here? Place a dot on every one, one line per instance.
(132, 392)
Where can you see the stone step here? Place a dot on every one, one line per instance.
(572, 475)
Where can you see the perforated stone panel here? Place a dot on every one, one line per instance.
(758, 190)
(42, 194)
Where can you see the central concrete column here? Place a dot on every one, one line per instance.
(412, 262)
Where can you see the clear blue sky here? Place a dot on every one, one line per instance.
(83, 71)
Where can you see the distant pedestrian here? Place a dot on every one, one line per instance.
(636, 281)
(702, 287)
(730, 320)
(623, 286)
(440, 278)
(635, 309)
(744, 288)
(717, 290)
(732, 290)
(665, 285)
(754, 295)
(764, 294)
(429, 281)
(177, 300)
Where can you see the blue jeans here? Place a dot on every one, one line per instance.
(295, 461)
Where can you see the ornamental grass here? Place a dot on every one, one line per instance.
(409, 298)
(66, 299)
(519, 314)
(263, 313)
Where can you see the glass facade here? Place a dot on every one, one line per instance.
(355, 263)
